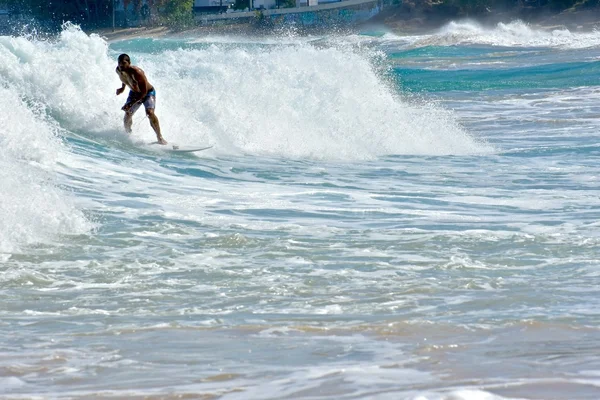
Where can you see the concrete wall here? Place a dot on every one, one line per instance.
(209, 3)
(328, 17)
(320, 16)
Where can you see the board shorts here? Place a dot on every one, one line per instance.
(149, 101)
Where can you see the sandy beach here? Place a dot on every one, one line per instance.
(161, 32)
(130, 33)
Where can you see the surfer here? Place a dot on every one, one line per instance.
(142, 92)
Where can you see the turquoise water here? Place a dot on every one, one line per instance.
(563, 75)
(381, 217)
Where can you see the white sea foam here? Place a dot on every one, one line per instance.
(257, 276)
(292, 100)
(33, 208)
(68, 77)
(296, 102)
(463, 394)
(512, 34)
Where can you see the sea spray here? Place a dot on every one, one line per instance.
(512, 34)
(295, 101)
(292, 100)
(33, 207)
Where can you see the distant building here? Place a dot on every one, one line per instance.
(265, 4)
(209, 3)
(212, 6)
(310, 3)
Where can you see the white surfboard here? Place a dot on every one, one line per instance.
(175, 148)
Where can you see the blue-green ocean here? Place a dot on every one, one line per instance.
(382, 216)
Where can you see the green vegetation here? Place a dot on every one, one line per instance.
(55, 12)
(99, 13)
(241, 4)
(287, 3)
(175, 13)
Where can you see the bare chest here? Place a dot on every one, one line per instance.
(126, 78)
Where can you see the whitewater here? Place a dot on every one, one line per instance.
(381, 216)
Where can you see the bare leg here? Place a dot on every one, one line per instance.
(128, 121)
(155, 125)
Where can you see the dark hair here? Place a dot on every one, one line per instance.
(124, 57)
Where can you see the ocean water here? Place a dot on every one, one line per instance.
(381, 217)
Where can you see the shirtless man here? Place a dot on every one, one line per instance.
(142, 92)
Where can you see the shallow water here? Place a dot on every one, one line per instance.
(380, 217)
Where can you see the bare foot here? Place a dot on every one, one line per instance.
(162, 141)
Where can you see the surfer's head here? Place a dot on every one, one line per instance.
(124, 61)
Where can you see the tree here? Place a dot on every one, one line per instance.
(173, 13)
(54, 13)
(241, 4)
(177, 14)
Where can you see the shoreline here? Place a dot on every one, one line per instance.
(163, 32)
(393, 19)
